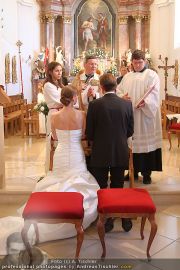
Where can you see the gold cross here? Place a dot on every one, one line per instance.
(165, 67)
(19, 44)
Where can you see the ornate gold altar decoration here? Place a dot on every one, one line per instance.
(14, 70)
(7, 68)
(176, 76)
(94, 82)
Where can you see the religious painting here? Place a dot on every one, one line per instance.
(94, 24)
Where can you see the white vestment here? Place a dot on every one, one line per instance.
(84, 96)
(147, 135)
(52, 97)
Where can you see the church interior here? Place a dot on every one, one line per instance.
(36, 32)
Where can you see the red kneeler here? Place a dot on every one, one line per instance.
(174, 128)
(126, 203)
(53, 207)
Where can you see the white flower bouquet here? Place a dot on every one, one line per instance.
(42, 108)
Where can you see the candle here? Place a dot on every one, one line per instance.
(69, 59)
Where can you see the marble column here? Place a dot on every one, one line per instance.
(2, 162)
(138, 21)
(43, 43)
(50, 35)
(68, 42)
(146, 32)
(123, 35)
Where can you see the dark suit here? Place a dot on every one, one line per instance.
(109, 123)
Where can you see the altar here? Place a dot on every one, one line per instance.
(94, 25)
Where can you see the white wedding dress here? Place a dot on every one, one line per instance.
(69, 174)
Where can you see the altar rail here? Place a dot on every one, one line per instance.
(173, 98)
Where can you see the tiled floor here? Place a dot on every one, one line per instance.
(25, 164)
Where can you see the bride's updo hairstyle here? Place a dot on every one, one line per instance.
(67, 94)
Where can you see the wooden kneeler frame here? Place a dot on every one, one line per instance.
(147, 215)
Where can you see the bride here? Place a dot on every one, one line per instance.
(69, 174)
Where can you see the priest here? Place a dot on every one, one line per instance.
(87, 82)
(142, 88)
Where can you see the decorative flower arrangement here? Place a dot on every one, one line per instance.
(77, 65)
(98, 52)
(75, 70)
(113, 67)
(113, 70)
(42, 108)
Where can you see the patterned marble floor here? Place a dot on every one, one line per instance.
(25, 164)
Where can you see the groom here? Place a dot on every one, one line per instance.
(109, 124)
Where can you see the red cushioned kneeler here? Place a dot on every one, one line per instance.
(53, 207)
(174, 128)
(127, 200)
(126, 203)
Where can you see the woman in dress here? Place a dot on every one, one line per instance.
(52, 90)
(52, 93)
(69, 174)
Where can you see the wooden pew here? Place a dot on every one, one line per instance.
(12, 111)
(12, 116)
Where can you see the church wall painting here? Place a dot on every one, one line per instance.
(93, 27)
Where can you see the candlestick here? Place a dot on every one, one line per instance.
(120, 59)
(69, 59)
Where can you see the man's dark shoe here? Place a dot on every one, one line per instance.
(126, 224)
(126, 177)
(109, 225)
(147, 180)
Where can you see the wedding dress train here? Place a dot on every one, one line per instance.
(69, 174)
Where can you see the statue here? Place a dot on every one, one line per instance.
(40, 63)
(41, 56)
(59, 56)
(128, 55)
(147, 55)
(148, 59)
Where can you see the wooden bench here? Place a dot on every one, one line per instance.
(12, 116)
(29, 120)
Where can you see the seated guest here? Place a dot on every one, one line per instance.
(123, 71)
